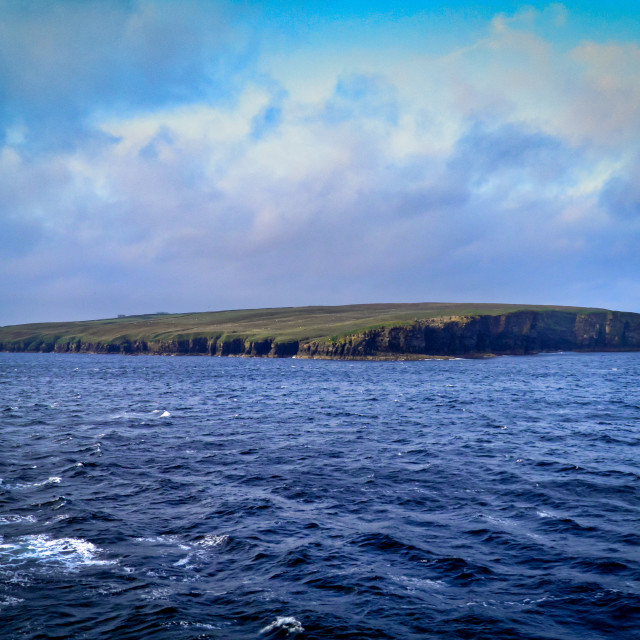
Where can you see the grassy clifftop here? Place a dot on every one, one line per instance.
(279, 324)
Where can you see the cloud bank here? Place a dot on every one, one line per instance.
(180, 157)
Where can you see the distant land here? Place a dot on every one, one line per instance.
(363, 331)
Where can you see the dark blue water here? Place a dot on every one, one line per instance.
(182, 498)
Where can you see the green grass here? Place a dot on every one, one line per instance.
(279, 324)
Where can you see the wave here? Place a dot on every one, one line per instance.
(42, 550)
(287, 624)
(28, 485)
(10, 518)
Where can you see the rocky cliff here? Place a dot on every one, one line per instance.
(518, 332)
(206, 346)
(513, 333)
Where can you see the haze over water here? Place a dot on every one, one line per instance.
(183, 498)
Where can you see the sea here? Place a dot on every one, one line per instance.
(183, 498)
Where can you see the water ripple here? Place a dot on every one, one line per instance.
(181, 498)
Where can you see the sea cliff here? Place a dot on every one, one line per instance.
(517, 331)
(513, 333)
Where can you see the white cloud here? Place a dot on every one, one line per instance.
(488, 169)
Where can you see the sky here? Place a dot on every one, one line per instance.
(194, 156)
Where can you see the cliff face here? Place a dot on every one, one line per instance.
(514, 333)
(207, 346)
(519, 332)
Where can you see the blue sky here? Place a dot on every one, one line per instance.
(192, 156)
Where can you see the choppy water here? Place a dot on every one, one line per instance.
(182, 498)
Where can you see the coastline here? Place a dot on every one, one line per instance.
(331, 333)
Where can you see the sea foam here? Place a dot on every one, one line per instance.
(68, 553)
(286, 623)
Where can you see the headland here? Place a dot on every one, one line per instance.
(350, 332)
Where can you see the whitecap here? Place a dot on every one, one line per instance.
(10, 518)
(198, 625)
(288, 623)
(184, 562)
(156, 413)
(42, 483)
(212, 540)
(7, 601)
(70, 553)
(193, 625)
